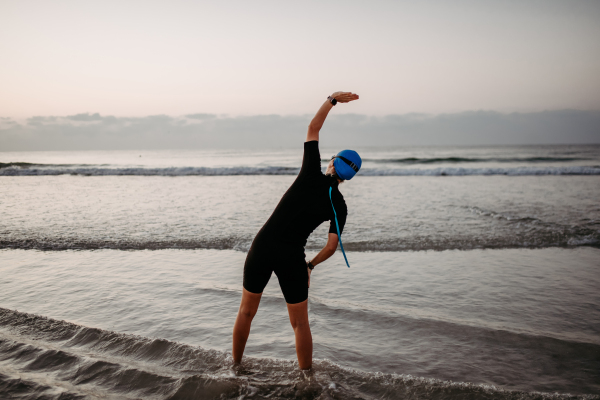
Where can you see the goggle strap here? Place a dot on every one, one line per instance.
(350, 163)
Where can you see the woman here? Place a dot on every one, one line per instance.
(279, 246)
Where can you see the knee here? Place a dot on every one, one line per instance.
(299, 323)
(247, 312)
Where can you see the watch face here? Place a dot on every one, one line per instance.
(333, 101)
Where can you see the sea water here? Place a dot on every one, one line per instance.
(474, 274)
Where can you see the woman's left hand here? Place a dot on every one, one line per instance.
(309, 272)
(344, 97)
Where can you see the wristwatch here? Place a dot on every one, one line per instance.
(309, 264)
(332, 100)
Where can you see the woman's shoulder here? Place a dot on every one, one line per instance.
(341, 201)
(337, 197)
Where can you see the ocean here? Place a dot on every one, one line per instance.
(474, 275)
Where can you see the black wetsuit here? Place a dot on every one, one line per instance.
(279, 245)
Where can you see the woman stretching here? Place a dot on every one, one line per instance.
(279, 246)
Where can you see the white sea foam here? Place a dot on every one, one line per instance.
(204, 171)
(65, 355)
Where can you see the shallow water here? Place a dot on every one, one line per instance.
(225, 212)
(520, 319)
(478, 285)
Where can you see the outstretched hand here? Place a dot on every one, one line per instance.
(344, 97)
(317, 122)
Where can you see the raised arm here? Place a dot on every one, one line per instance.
(317, 122)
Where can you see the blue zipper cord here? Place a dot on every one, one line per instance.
(338, 228)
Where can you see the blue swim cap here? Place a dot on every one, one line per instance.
(347, 163)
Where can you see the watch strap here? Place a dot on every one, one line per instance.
(332, 100)
(310, 266)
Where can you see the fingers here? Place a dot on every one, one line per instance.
(339, 95)
(345, 97)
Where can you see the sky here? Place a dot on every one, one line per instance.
(239, 59)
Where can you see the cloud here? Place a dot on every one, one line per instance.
(96, 132)
(38, 121)
(201, 116)
(85, 117)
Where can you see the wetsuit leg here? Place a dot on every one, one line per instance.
(257, 269)
(292, 274)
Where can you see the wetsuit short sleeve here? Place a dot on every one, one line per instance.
(311, 162)
(342, 213)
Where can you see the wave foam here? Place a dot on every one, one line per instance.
(541, 235)
(457, 160)
(517, 171)
(17, 170)
(46, 358)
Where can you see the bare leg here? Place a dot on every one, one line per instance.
(241, 329)
(299, 320)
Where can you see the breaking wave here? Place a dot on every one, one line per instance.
(25, 169)
(43, 358)
(453, 160)
(534, 238)
(516, 171)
